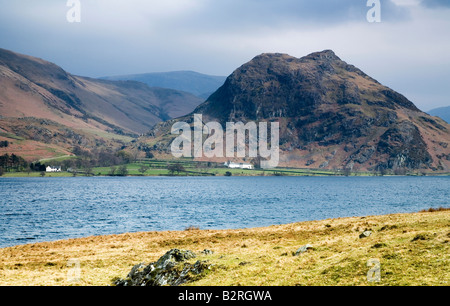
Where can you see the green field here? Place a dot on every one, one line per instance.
(189, 168)
(36, 174)
(192, 168)
(159, 168)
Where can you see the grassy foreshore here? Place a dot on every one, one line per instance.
(412, 249)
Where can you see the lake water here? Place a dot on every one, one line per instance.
(47, 209)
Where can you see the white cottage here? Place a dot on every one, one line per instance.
(232, 165)
(53, 169)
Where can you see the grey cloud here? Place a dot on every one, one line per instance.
(251, 13)
(436, 3)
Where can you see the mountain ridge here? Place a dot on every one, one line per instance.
(199, 84)
(441, 112)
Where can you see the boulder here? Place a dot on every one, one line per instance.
(303, 249)
(207, 252)
(170, 270)
(365, 234)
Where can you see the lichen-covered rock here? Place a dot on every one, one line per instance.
(365, 234)
(170, 270)
(207, 252)
(303, 249)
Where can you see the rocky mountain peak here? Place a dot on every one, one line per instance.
(331, 114)
(326, 55)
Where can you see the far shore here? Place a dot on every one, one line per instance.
(102, 172)
(191, 168)
(69, 175)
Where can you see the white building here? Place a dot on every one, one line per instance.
(53, 169)
(232, 165)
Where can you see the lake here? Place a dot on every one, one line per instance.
(47, 209)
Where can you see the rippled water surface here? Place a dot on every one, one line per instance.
(48, 209)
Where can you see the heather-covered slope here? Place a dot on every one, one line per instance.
(97, 112)
(31, 87)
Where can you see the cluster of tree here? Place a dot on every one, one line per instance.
(84, 163)
(88, 159)
(118, 171)
(102, 157)
(175, 168)
(123, 170)
(38, 167)
(147, 150)
(12, 162)
(4, 144)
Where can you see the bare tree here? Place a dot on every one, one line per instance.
(175, 168)
(122, 171)
(112, 171)
(143, 169)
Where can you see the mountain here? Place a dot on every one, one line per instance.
(442, 112)
(78, 110)
(198, 84)
(331, 115)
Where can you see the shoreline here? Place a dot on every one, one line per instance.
(224, 229)
(430, 210)
(69, 175)
(413, 249)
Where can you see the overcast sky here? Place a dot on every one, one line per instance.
(409, 50)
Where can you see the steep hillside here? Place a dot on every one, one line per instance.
(331, 114)
(98, 111)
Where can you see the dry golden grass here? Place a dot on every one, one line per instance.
(413, 249)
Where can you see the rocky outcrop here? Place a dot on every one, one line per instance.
(172, 269)
(404, 147)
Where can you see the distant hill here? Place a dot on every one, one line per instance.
(198, 84)
(442, 112)
(331, 114)
(42, 103)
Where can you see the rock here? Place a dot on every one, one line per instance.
(365, 234)
(171, 258)
(303, 249)
(207, 252)
(420, 237)
(170, 270)
(379, 245)
(324, 165)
